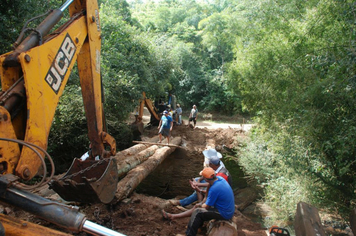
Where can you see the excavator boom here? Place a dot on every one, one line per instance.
(33, 78)
(138, 125)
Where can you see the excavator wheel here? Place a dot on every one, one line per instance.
(88, 181)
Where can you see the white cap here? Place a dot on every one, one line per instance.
(211, 153)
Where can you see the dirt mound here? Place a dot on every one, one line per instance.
(140, 214)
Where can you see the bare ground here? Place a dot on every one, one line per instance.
(140, 214)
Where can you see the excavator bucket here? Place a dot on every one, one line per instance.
(88, 181)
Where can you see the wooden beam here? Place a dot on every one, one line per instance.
(132, 150)
(158, 144)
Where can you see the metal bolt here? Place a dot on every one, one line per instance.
(76, 40)
(26, 173)
(27, 58)
(3, 117)
(93, 19)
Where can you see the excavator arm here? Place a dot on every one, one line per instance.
(33, 78)
(155, 116)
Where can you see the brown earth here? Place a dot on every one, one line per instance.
(140, 214)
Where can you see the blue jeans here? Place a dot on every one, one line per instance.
(189, 200)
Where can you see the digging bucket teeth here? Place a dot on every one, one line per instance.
(88, 181)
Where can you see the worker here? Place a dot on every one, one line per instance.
(169, 110)
(179, 114)
(199, 185)
(219, 204)
(165, 126)
(193, 116)
(211, 152)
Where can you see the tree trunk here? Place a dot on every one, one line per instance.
(307, 221)
(132, 150)
(135, 176)
(125, 165)
(221, 228)
(244, 197)
(159, 144)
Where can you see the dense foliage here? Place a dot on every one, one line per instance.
(298, 75)
(289, 63)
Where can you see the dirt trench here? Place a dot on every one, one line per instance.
(140, 214)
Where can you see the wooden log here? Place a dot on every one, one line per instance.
(221, 228)
(132, 150)
(135, 176)
(158, 144)
(129, 152)
(307, 221)
(353, 221)
(125, 165)
(245, 197)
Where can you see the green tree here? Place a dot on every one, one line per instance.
(14, 14)
(295, 70)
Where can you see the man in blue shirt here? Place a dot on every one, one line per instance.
(219, 204)
(165, 126)
(213, 161)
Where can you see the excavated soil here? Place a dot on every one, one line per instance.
(140, 214)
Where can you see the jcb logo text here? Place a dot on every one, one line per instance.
(59, 68)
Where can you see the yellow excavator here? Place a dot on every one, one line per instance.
(155, 110)
(138, 125)
(33, 77)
